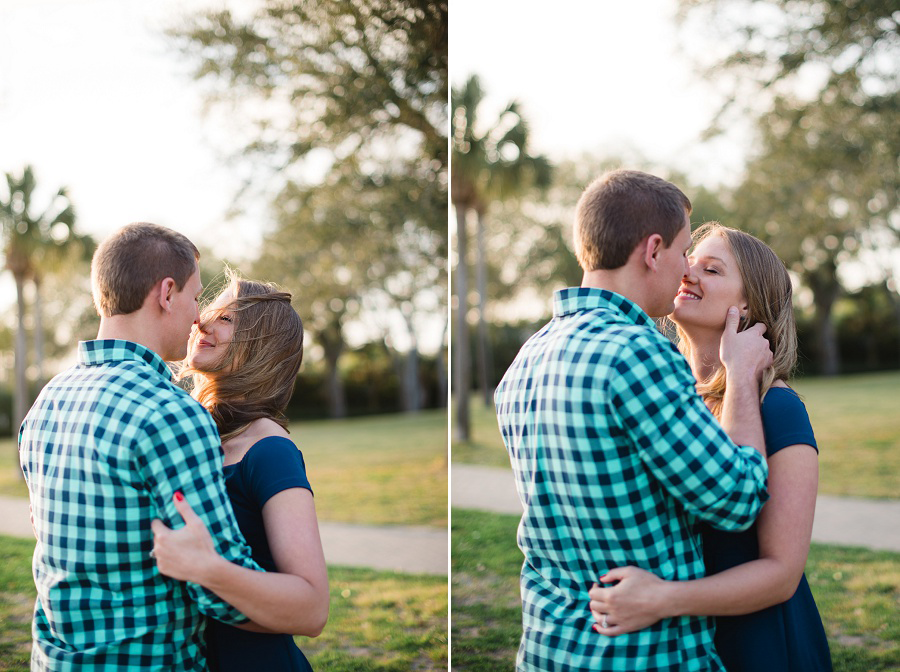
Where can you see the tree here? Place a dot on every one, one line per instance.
(34, 245)
(350, 76)
(824, 184)
(488, 166)
(365, 81)
(354, 241)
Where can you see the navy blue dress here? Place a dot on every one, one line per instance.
(271, 465)
(786, 637)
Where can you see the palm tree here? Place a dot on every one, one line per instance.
(487, 167)
(33, 246)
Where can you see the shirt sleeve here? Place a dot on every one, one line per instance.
(273, 465)
(181, 451)
(680, 441)
(785, 421)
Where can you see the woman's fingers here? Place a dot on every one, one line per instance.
(159, 528)
(616, 574)
(183, 508)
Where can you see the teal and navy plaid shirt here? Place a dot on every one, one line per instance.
(104, 448)
(616, 460)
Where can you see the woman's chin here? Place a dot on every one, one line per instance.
(195, 360)
(677, 314)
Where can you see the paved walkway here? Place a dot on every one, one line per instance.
(414, 550)
(845, 521)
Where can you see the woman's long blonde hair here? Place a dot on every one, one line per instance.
(768, 292)
(254, 377)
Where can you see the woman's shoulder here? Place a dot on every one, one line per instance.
(263, 428)
(785, 419)
(261, 436)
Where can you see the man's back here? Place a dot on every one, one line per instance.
(615, 457)
(103, 450)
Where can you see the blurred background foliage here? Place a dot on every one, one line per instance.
(819, 79)
(342, 107)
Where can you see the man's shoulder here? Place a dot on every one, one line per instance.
(133, 383)
(625, 339)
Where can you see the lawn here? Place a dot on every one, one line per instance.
(855, 419)
(857, 592)
(379, 620)
(387, 469)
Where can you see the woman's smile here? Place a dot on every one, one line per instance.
(687, 294)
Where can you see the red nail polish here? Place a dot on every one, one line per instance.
(178, 496)
(596, 629)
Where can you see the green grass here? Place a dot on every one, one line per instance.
(379, 620)
(857, 592)
(386, 469)
(854, 419)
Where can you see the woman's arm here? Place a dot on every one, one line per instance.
(785, 529)
(294, 600)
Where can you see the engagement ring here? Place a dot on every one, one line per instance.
(152, 552)
(604, 624)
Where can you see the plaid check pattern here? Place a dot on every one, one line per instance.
(616, 459)
(104, 448)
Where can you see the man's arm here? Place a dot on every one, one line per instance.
(679, 440)
(182, 454)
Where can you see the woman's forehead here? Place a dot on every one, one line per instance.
(713, 246)
(221, 301)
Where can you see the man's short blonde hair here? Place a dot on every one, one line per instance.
(132, 260)
(621, 208)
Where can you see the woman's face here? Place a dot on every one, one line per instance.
(712, 285)
(210, 338)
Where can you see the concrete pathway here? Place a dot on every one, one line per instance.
(845, 521)
(413, 550)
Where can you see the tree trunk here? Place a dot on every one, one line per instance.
(412, 394)
(38, 335)
(485, 363)
(337, 402)
(332, 342)
(20, 389)
(461, 366)
(439, 362)
(825, 288)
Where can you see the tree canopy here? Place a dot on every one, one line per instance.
(365, 83)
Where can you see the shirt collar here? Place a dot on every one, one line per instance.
(581, 299)
(108, 351)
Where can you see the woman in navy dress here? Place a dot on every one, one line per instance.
(767, 620)
(244, 357)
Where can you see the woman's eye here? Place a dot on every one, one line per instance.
(712, 270)
(225, 318)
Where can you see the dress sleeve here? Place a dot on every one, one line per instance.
(272, 465)
(180, 450)
(680, 441)
(785, 421)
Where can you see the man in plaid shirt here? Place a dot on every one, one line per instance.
(106, 447)
(616, 458)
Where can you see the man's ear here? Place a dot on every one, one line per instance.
(165, 293)
(653, 246)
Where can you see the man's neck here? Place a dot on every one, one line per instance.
(133, 327)
(622, 281)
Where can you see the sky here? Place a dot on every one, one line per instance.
(605, 78)
(94, 97)
(611, 79)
